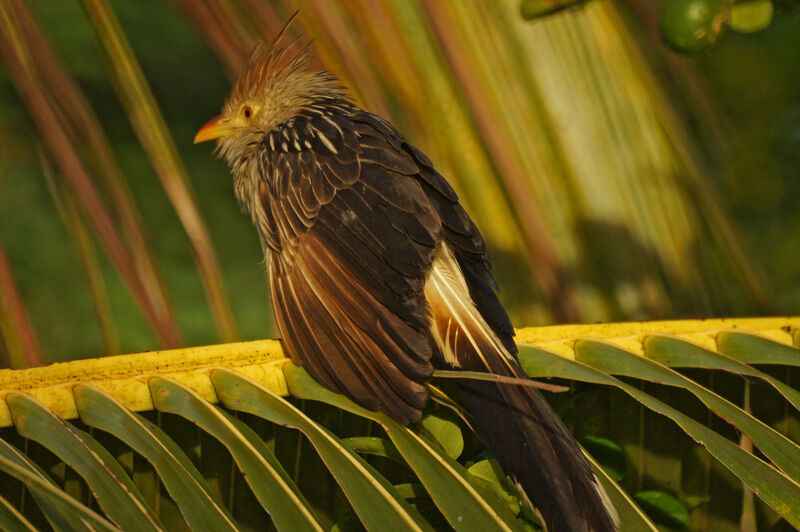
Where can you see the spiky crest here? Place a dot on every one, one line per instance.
(278, 81)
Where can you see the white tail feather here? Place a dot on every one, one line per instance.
(455, 317)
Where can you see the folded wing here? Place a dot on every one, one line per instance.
(354, 235)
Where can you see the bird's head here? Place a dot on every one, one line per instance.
(275, 87)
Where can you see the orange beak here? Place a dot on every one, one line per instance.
(215, 128)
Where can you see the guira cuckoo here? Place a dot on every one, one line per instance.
(378, 275)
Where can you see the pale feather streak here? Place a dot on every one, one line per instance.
(448, 295)
(447, 292)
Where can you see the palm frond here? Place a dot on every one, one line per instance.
(154, 136)
(385, 475)
(57, 140)
(17, 339)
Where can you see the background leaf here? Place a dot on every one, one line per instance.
(663, 508)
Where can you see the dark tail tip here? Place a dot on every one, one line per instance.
(537, 451)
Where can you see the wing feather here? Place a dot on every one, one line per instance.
(459, 231)
(356, 237)
(372, 261)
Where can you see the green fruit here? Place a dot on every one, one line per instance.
(693, 26)
(750, 15)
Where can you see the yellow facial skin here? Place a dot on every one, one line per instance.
(224, 126)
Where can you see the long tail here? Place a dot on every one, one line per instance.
(523, 432)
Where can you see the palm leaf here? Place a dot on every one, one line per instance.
(85, 128)
(81, 238)
(180, 477)
(57, 139)
(410, 479)
(152, 130)
(21, 346)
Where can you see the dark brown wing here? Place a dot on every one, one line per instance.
(527, 437)
(459, 232)
(355, 218)
(352, 236)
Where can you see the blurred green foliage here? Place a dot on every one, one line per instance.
(190, 85)
(754, 77)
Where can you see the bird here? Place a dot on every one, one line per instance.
(378, 275)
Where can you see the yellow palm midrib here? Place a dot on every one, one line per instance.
(125, 376)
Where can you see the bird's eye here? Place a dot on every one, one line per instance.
(247, 111)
